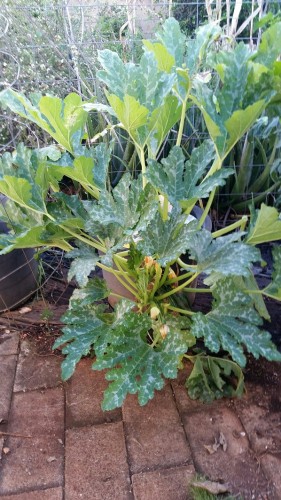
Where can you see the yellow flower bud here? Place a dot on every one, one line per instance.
(154, 312)
(164, 330)
(148, 261)
(172, 274)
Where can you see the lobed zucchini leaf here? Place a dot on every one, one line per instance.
(233, 328)
(64, 120)
(182, 181)
(265, 226)
(212, 378)
(274, 289)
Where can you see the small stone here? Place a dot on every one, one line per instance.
(6, 450)
(51, 459)
(24, 310)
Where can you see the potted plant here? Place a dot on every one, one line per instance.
(18, 273)
(141, 231)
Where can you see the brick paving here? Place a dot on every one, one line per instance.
(59, 445)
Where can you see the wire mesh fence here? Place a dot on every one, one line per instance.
(51, 46)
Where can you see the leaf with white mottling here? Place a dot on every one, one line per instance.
(274, 289)
(226, 255)
(166, 240)
(85, 260)
(233, 325)
(182, 181)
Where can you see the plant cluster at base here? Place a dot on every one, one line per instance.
(141, 229)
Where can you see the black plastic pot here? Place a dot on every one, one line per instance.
(18, 274)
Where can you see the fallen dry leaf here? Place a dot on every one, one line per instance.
(222, 441)
(210, 448)
(211, 487)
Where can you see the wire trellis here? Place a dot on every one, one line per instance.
(50, 46)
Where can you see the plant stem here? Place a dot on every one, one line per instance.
(165, 274)
(186, 266)
(179, 310)
(180, 278)
(124, 272)
(143, 166)
(178, 289)
(207, 208)
(80, 237)
(156, 283)
(93, 191)
(197, 290)
(240, 223)
(182, 120)
(155, 340)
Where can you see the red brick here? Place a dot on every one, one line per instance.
(28, 464)
(154, 433)
(165, 484)
(50, 494)
(7, 375)
(96, 463)
(236, 465)
(84, 394)
(262, 427)
(271, 464)
(9, 341)
(35, 371)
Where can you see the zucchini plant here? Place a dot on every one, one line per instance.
(141, 229)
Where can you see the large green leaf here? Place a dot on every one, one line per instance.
(160, 122)
(173, 39)
(64, 119)
(130, 112)
(233, 70)
(269, 48)
(212, 378)
(83, 328)
(238, 100)
(240, 122)
(180, 179)
(67, 119)
(265, 226)
(119, 216)
(197, 47)
(152, 86)
(226, 255)
(94, 290)
(165, 60)
(233, 325)
(82, 171)
(113, 74)
(85, 260)
(166, 240)
(18, 171)
(134, 365)
(274, 289)
(119, 342)
(48, 235)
